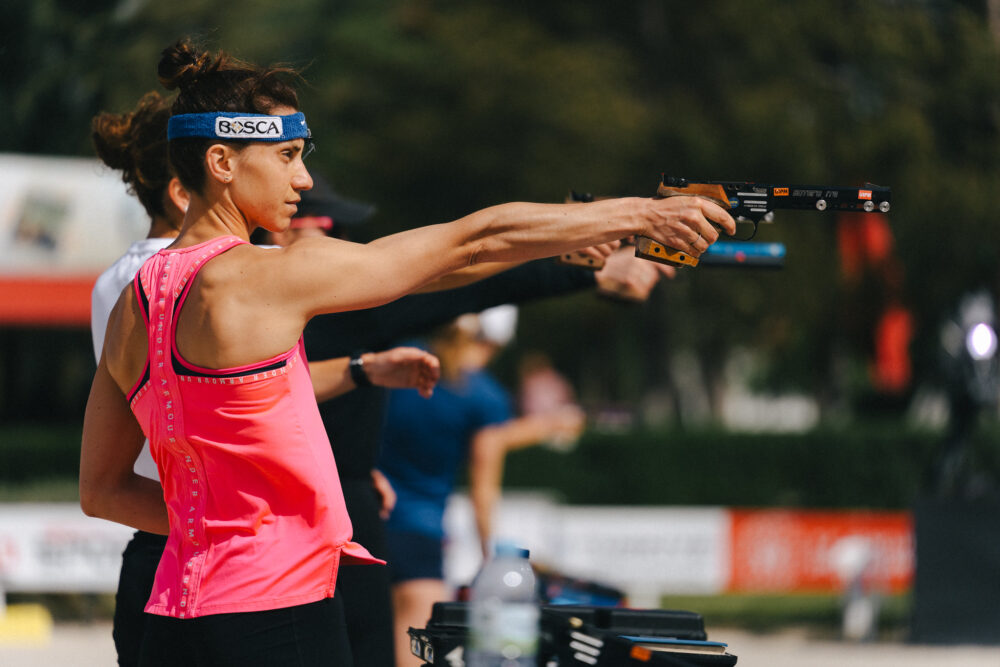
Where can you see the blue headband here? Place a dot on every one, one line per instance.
(236, 126)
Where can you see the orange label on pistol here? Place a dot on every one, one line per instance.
(641, 653)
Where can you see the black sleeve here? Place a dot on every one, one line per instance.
(378, 328)
(415, 314)
(353, 421)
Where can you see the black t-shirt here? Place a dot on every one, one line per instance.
(354, 420)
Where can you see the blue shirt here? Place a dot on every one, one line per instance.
(425, 442)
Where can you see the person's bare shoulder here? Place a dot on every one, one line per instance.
(125, 340)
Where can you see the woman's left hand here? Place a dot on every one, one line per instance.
(385, 493)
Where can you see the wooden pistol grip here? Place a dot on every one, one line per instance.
(579, 259)
(712, 192)
(647, 248)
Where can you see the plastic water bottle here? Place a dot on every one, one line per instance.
(503, 613)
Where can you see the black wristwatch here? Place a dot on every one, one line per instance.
(358, 373)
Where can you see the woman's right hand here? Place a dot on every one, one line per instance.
(686, 223)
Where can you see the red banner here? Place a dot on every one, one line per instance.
(46, 301)
(820, 551)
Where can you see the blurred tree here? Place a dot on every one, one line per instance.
(433, 108)
(436, 109)
(49, 83)
(904, 94)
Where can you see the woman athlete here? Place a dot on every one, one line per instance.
(202, 356)
(135, 143)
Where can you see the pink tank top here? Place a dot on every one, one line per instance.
(257, 516)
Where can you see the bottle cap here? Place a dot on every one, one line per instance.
(510, 549)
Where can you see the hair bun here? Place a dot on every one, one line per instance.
(181, 65)
(110, 133)
(135, 143)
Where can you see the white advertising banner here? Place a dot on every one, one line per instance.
(637, 549)
(644, 551)
(61, 214)
(55, 547)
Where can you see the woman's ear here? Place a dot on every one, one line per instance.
(178, 196)
(218, 163)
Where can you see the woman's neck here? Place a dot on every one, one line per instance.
(162, 228)
(206, 220)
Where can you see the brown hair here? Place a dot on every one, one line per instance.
(217, 82)
(135, 143)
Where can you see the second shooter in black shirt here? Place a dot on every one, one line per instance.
(354, 420)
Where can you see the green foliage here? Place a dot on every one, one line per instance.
(437, 113)
(39, 453)
(55, 490)
(873, 466)
(434, 108)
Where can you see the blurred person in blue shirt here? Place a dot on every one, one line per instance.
(425, 443)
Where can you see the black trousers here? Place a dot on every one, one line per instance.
(135, 583)
(365, 588)
(301, 636)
